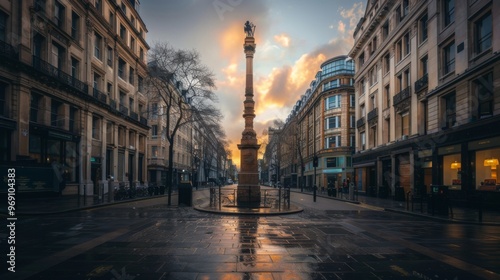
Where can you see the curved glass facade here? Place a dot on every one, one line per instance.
(337, 66)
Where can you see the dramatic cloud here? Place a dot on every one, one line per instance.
(288, 55)
(341, 27)
(353, 14)
(283, 40)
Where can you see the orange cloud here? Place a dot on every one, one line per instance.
(341, 27)
(283, 40)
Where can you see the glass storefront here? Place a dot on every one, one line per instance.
(452, 170)
(47, 150)
(487, 162)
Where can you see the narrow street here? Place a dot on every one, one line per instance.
(330, 239)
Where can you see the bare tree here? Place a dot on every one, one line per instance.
(183, 87)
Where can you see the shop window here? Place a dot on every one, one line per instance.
(452, 169)
(53, 151)
(70, 162)
(332, 162)
(487, 162)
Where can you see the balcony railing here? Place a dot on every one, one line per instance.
(144, 121)
(402, 95)
(6, 50)
(99, 95)
(422, 83)
(373, 114)
(50, 70)
(360, 122)
(112, 103)
(134, 115)
(123, 109)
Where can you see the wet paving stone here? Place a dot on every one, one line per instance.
(181, 243)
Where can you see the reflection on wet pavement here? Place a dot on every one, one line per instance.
(158, 242)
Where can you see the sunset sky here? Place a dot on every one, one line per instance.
(293, 38)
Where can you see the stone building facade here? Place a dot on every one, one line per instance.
(71, 77)
(427, 92)
(321, 125)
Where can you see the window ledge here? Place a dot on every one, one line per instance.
(423, 42)
(447, 75)
(477, 56)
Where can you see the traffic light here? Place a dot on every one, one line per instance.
(315, 161)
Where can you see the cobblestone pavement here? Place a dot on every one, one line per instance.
(330, 239)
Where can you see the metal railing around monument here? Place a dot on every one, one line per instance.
(269, 198)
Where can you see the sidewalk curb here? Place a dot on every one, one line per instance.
(404, 212)
(441, 219)
(329, 197)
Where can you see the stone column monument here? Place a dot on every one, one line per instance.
(248, 179)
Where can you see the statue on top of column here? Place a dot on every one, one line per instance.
(249, 28)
